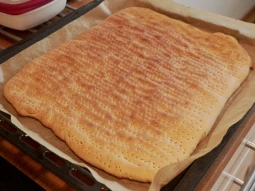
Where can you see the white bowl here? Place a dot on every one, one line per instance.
(32, 18)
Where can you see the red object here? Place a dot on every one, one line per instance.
(18, 9)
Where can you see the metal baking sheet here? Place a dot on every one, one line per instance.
(185, 181)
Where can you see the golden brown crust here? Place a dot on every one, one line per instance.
(134, 93)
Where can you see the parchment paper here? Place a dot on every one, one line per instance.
(234, 110)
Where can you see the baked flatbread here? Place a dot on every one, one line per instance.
(135, 93)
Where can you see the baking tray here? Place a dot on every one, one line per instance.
(76, 176)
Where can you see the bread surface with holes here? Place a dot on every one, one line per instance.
(134, 93)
